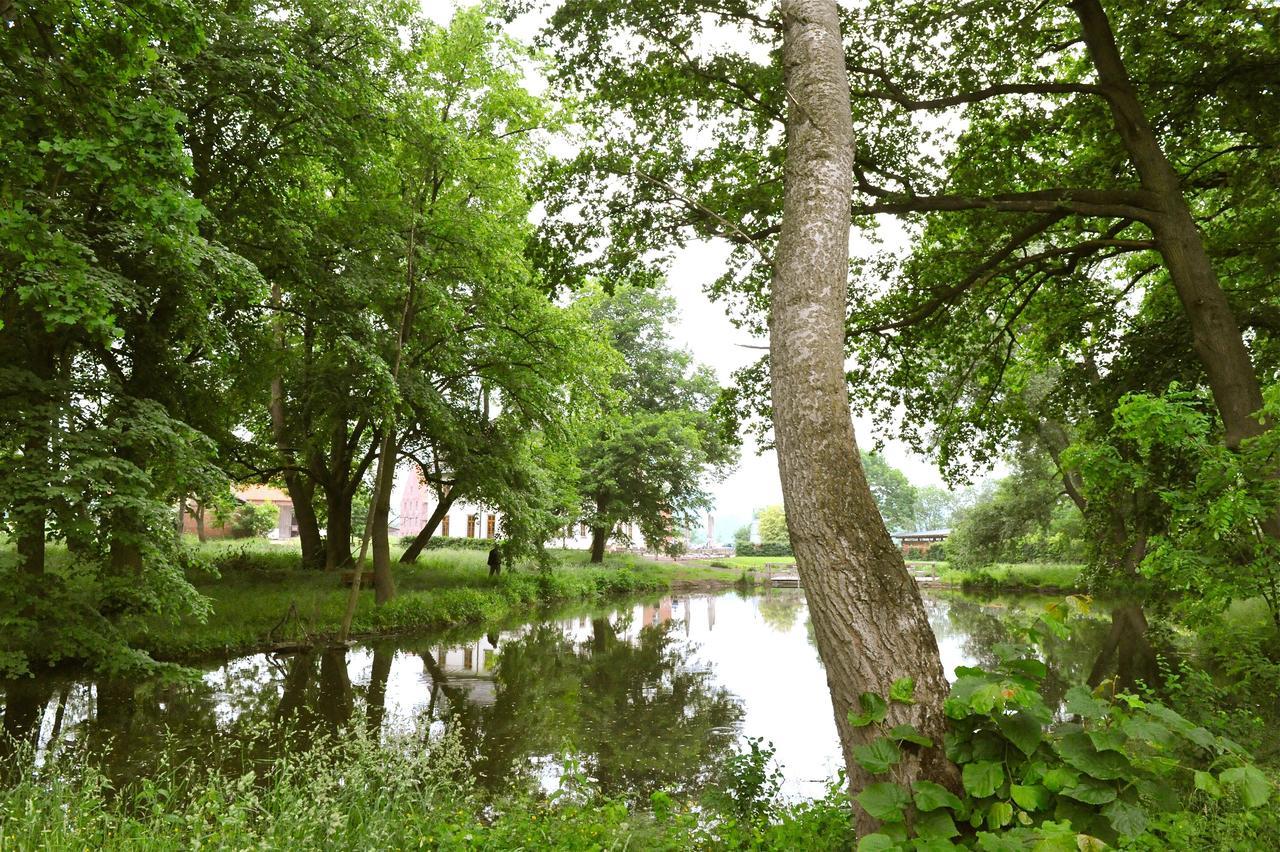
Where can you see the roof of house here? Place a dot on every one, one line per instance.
(263, 493)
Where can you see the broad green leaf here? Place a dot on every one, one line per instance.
(909, 734)
(1125, 818)
(936, 824)
(999, 815)
(903, 691)
(982, 778)
(877, 843)
(884, 800)
(874, 709)
(878, 756)
(1060, 777)
(1206, 782)
(1033, 797)
(930, 796)
(987, 697)
(1022, 729)
(1080, 702)
(1253, 786)
(1108, 739)
(1091, 791)
(1079, 751)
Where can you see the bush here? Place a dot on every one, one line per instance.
(251, 520)
(445, 542)
(771, 548)
(937, 552)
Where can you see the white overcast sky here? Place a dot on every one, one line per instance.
(705, 330)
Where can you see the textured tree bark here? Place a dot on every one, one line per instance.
(1215, 333)
(384, 585)
(201, 535)
(868, 618)
(414, 550)
(337, 543)
(301, 490)
(599, 535)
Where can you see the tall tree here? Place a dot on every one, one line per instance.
(116, 313)
(647, 457)
(868, 619)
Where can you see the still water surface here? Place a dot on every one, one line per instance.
(646, 695)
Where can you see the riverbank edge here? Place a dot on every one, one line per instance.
(475, 606)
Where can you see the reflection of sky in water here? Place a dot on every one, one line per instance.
(757, 648)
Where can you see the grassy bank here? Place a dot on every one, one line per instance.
(259, 598)
(1015, 577)
(401, 794)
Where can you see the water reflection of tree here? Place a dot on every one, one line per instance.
(779, 609)
(981, 626)
(636, 715)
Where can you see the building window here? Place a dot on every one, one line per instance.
(444, 526)
(584, 530)
(493, 520)
(471, 526)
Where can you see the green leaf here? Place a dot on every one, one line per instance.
(878, 756)
(1079, 751)
(982, 778)
(936, 823)
(935, 844)
(999, 815)
(1108, 739)
(1253, 786)
(1091, 792)
(1032, 797)
(903, 691)
(1125, 818)
(1206, 782)
(1148, 731)
(874, 709)
(1022, 729)
(877, 843)
(930, 796)
(884, 801)
(1033, 669)
(1080, 702)
(1002, 842)
(986, 697)
(909, 734)
(1060, 777)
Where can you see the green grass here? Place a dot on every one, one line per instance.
(1015, 576)
(745, 561)
(260, 598)
(409, 792)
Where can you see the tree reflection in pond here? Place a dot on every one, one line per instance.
(645, 696)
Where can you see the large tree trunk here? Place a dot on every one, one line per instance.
(301, 489)
(1215, 333)
(868, 618)
(384, 584)
(599, 535)
(338, 540)
(420, 541)
(201, 535)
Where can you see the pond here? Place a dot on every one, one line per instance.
(645, 695)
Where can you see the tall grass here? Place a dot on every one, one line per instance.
(355, 793)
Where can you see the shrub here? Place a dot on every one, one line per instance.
(937, 552)
(444, 542)
(250, 521)
(771, 548)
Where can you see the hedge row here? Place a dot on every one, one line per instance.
(771, 548)
(445, 542)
